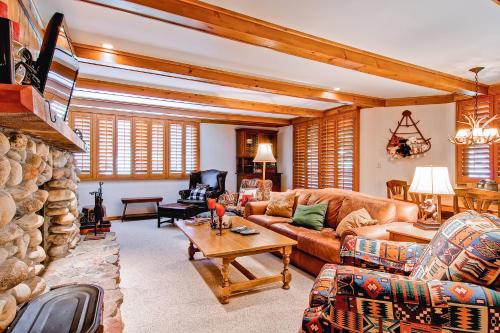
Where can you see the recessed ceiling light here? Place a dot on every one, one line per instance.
(107, 46)
(336, 89)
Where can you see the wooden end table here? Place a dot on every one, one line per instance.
(231, 245)
(407, 232)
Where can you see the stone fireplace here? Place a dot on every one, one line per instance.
(38, 216)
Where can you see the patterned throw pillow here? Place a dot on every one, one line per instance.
(202, 186)
(228, 199)
(198, 194)
(281, 204)
(466, 248)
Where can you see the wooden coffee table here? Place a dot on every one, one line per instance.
(230, 246)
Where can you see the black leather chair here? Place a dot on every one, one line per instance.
(215, 179)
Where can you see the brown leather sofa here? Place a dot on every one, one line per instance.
(315, 248)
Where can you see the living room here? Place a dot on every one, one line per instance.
(249, 166)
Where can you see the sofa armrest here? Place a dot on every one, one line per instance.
(184, 194)
(381, 255)
(255, 208)
(211, 194)
(376, 231)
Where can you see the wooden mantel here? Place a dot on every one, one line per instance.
(24, 109)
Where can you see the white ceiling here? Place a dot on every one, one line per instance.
(447, 35)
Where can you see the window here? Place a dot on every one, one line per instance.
(477, 162)
(127, 147)
(326, 152)
(83, 122)
(338, 151)
(306, 155)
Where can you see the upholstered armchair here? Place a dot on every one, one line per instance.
(450, 285)
(263, 193)
(216, 181)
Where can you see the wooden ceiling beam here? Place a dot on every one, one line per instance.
(219, 77)
(232, 25)
(139, 110)
(113, 87)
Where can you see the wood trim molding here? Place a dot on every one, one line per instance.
(421, 100)
(340, 109)
(114, 87)
(219, 77)
(204, 17)
(87, 105)
(494, 89)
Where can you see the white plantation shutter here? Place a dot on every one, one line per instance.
(299, 156)
(83, 122)
(176, 148)
(105, 145)
(141, 146)
(474, 162)
(192, 145)
(123, 146)
(157, 147)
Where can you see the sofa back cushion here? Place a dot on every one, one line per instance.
(466, 248)
(382, 210)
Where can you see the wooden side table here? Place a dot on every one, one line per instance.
(407, 232)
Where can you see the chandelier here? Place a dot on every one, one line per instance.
(477, 130)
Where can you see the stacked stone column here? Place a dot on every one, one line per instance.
(62, 205)
(26, 166)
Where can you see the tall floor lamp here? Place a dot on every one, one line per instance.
(264, 155)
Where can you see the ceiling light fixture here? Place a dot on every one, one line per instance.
(336, 89)
(477, 130)
(107, 46)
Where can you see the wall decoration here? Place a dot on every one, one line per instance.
(407, 141)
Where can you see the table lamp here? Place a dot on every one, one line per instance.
(430, 183)
(264, 155)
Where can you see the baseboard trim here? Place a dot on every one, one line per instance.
(130, 217)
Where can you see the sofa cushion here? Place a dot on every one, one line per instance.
(334, 197)
(267, 220)
(322, 244)
(356, 219)
(289, 230)
(281, 204)
(312, 217)
(466, 248)
(381, 210)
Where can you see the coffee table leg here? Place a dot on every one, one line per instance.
(191, 251)
(286, 274)
(225, 280)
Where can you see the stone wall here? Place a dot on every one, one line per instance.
(35, 179)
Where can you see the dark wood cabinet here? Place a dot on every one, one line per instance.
(247, 141)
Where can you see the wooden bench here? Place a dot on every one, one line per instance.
(126, 201)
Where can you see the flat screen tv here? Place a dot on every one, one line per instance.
(57, 67)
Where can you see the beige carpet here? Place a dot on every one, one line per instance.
(165, 292)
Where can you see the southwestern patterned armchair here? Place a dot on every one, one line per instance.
(450, 285)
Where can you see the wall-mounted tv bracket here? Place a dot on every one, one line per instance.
(26, 63)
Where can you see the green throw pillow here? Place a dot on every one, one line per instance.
(311, 217)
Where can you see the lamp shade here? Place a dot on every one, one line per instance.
(264, 153)
(431, 180)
